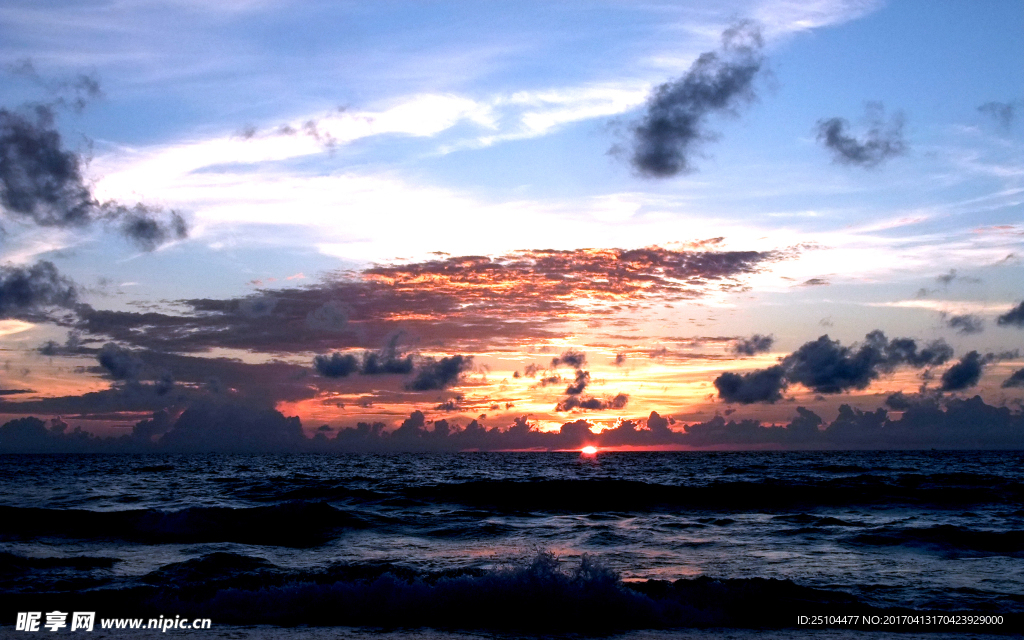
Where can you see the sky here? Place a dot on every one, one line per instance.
(403, 213)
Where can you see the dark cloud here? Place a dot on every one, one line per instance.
(232, 427)
(386, 361)
(589, 403)
(964, 373)
(574, 398)
(71, 346)
(753, 345)
(899, 401)
(948, 278)
(374, 363)
(38, 179)
(29, 291)
(826, 366)
(42, 183)
(675, 122)
(1016, 379)
(141, 225)
(125, 366)
(1003, 113)
(578, 385)
(165, 380)
(377, 364)
(966, 323)
(765, 385)
(881, 141)
(1013, 317)
(815, 282)
(438, 374)
(119, 362)
(570, 357)
(336, 365)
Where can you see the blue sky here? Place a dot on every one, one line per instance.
(299, 140)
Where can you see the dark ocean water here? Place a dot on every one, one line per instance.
(507, 544)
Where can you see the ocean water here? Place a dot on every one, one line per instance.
(482, 545)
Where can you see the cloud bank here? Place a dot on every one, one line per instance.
(227, 427)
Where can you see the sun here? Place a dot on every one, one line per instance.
(588, 450)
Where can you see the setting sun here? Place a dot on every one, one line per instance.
(588, 451)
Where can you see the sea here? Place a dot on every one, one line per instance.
(508, 545)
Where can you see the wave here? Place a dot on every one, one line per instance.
(938, 490)
(947, 538)
(291, 524)
(540, 595)
(11, 563)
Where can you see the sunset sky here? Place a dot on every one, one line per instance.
(355, 210)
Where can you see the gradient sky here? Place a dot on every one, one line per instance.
(458, 189)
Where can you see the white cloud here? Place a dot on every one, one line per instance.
(947, 306)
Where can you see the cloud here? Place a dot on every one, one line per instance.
(438, 374)
(880, 142)
(765, 385)
(1013, 317)
(75, 93)
(329, 317)
(899, 401)
(815, 282)
(964, 373)
(125, 366)
(966, 323)
(373, 363)
(967, 372)
(213, 426)
(28, 291)
(1016, 379)
(570, 357)
(161, 380)
(42, 183)
(1004, 113)
(386, 361)
(948, 278)
(753, 345)
(119, 362)
(578, 385)
(336, 365)
(462, 302)
(140, 225)
(39, 179)
(574, 398)
(674, 124)
(233, 427)
(826, 366)
(588, 403)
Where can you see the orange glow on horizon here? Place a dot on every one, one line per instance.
(589, 451)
